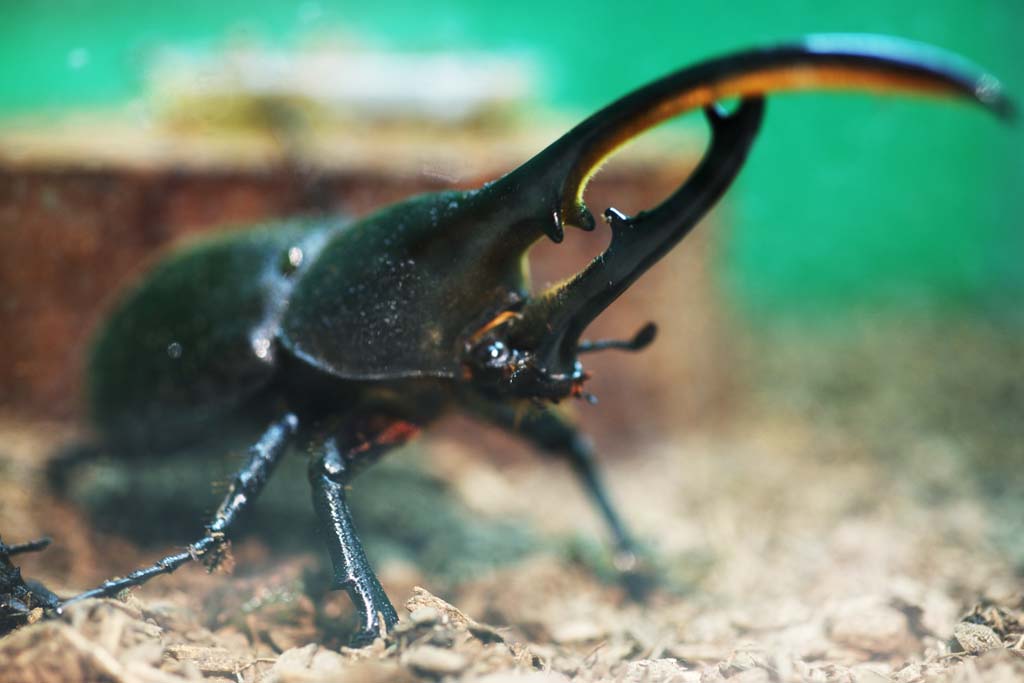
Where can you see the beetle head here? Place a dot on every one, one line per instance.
(531, 349)
(500, 368)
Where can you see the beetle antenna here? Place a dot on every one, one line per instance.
(641, 340)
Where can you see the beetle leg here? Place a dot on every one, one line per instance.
(19, 597)
(340, 458)
(551, 432)
(247, 485)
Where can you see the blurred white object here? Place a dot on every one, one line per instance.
(447, 88)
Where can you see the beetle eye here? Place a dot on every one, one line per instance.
(493, 355)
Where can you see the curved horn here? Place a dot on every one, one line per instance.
(555, 179)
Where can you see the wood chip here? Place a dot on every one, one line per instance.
(210, 659)
(423, 599)
(976, 638)
(872, 628)
(655, 671)
(437, 661)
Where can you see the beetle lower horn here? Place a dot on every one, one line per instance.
(818, 62)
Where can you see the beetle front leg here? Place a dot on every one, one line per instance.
(247, 485)
(551, 432)
(340, 458)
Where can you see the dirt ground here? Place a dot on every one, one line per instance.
(846, 523)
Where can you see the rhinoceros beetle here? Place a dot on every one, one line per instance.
(348, 338)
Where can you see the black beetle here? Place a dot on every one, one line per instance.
(350, 337)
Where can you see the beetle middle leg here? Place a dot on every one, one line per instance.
(246, 486)
(341, 456)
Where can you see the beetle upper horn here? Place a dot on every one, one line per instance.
(835, 62)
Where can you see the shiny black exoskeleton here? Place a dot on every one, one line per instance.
(21, 601)
(348, 338)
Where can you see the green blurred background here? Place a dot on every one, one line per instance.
(848, 202)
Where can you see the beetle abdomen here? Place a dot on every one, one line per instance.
(194, 339)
